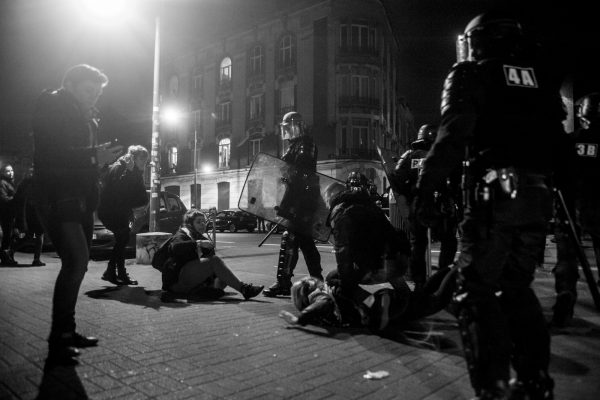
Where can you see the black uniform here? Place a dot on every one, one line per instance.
(503, 116)
(406, 175)
(298, 205)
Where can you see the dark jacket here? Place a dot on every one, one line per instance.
(362, 233)
(7, 194)
(65, 153)
(182, 249)
(122, 191)
(26, 217)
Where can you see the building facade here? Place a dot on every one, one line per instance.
(333, 61)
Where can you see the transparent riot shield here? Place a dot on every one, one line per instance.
(280, 193)
(402, 206)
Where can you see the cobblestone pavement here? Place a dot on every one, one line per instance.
(234, 349)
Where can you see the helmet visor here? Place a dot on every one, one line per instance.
(290, 130)
(462, 49)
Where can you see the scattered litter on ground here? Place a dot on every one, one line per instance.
(376, 374)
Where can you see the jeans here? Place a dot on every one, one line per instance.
(70, 226)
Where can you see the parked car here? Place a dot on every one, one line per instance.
(170, 217)
(233, 220)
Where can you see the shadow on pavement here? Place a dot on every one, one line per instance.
(60, 382)
(134, 295)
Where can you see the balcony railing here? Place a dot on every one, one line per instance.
(358, 101)
(355, 152)
(359, 50)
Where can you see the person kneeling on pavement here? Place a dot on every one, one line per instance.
(322, 303)
(193, 269)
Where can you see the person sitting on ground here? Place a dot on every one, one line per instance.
(322, 303)
(193, 268)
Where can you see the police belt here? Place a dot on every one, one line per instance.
(504, 183)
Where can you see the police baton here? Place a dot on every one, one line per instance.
(428, 255)
(268, 234)
(585, 265)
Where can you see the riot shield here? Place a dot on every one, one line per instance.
(388, 167)
(278, 192)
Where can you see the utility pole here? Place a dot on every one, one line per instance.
(154, 165)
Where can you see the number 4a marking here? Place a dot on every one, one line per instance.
(518, 76)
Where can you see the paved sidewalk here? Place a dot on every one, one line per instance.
(234, 349)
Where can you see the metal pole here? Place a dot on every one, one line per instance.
(195, 166)
(154, 165)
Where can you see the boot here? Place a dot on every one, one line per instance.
(6, 259)
(278, 289)
(563, 309)
(110, 275)
(249, 290)
(541, 388)
(124, 277)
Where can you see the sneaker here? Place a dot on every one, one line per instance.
(249, 290)
(278, 289)
(62, 355)
(9, 263)
(37, 263)
(76, 340)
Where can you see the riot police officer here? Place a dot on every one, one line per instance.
(302, 154)
(587, 144)
(499, 107)
(406, 175)
(368, 249)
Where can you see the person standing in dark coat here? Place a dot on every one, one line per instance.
(27, 219)
(67, 159)
(122, 191)
(7, 214)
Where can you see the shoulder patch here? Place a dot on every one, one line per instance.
(520, 76)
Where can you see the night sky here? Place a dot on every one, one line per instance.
(39, 39)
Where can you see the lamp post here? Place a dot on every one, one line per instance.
(195, 165)
(154, 165)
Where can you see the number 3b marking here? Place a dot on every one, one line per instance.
(587, 149)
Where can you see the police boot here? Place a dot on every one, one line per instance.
(563, 309)
(110, 275)
(284, 270)
(123, 276)
(539, 388)
(498, 391)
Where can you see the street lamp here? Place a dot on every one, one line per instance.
(154, 171)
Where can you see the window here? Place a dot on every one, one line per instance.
(360, 134)
(225, 75)
(255, 147)
(225, 112)
(358, 36)
(287, 56)
(197, 83)
(257, 106)
(197, 120)
(256, 60)
(172, 157)
(287, 97)
(360, 86)
(224, 152)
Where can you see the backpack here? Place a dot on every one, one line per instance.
(159, 260)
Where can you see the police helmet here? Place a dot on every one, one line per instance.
(427, 133)
(302, 289)
(292, 125)
(588, 109)
(491, 34)
(357, 181)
